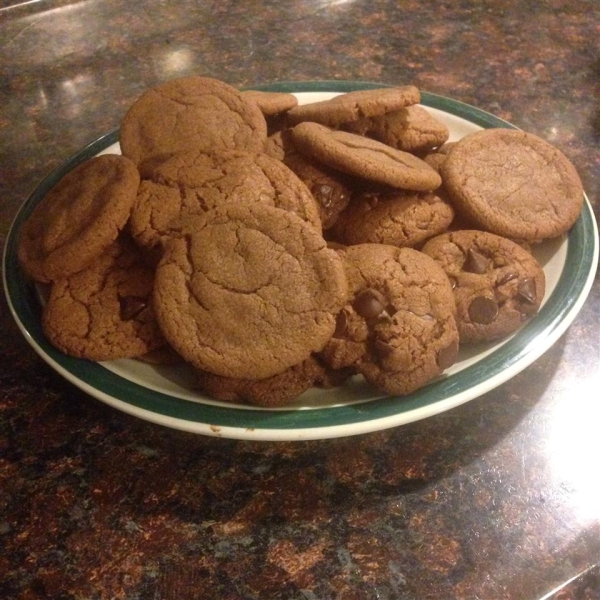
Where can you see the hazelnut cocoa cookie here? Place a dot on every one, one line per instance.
(79, 218)
(498, 285)
(399, 329)
(252, 291)
(355, 105)
(194, 182)
(105, 311)
(274, 391)
(398, 218)
(514, 184)
(365, 158)
(191, 113)
(411, 129)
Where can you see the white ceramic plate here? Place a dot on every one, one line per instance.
(165, 395)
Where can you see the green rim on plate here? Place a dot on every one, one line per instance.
(527, 345)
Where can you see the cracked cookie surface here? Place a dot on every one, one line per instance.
(498, 285)
(252, 291)
(190, 113)
(79, 218)
(513, 184)
(105, 311)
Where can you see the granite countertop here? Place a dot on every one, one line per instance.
(496, 499)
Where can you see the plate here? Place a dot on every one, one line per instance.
(165, 395)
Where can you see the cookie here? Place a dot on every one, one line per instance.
(513, 184)
(498, 285)
(403, 219)
(411, 129)
(271, 103)
(252, 291)
(331, 189)
(355, 105)
(194, 182)
(365, 158)
(191, 113)
(399, 329)
(105, 311)
(274, 391)
(436, 158)
(79, 218)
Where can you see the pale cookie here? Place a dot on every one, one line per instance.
(513, 184)
(79, 218)
(250, 292)
(364, 157)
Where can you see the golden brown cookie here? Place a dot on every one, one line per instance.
(79, 218)
(498, 285)
(365, 158)
(514, 184)
(105, 311)
(191, 113)
(411, 129)
(271, 103)
(398, 218)
(399, 328)
(194, 182)
(251, 292)
(355, 105)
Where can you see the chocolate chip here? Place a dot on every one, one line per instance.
(508, 276)
(447, 356)
(526, 290)
(341, 324)
(323, 194)
(382, 350)
(130, 307)
(483, 310)
(476, 262)
(369, 303)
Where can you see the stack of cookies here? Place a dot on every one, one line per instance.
(275, 247)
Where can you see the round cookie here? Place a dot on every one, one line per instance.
(363, 157)
(436, 158)
(411, 129)
(105, 311)
(403, 219)
(271, 103)
(355, 105)
(191, 113)
(399, 329)
(79, 218)
(498, 285)
(194, 182)
(252, 291)
(514, 184)
(274, 391)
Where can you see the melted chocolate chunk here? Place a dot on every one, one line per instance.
(341, 324)
(130, 307)
(447, 356)
(323, 194)
(369, 303)
(509, 276)
(526, 290)
(483, 310)
(476, 262)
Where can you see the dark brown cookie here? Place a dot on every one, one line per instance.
(403, 219)
(79, 218)
(105, 311)
(191, 113)
(355, 105)
(274, 391)
(251, 292)
(411, 129)
(513, 184)
(399, 329)
(365, 158)
(194, 182)
(498, 285)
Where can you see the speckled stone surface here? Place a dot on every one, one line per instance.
(497, 499)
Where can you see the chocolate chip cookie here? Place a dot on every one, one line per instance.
(498, 285)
